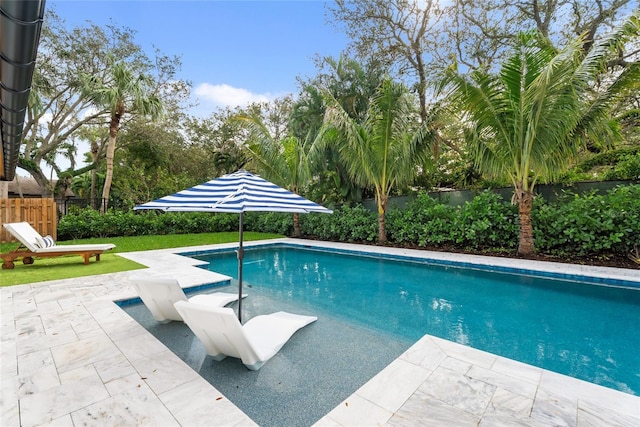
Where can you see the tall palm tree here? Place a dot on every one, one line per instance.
(124, 92)
(529, 121)
(352, 84)
(283, 161)
(383, 150)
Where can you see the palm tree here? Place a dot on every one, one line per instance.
(352, 84)
(384, 149)
(283, 161)
(529, 121)
(125, 92)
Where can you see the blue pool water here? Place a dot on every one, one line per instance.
(583, 330)
(320, 366)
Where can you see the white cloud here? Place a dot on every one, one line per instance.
(224, 95)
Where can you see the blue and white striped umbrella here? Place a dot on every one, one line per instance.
(238, 192)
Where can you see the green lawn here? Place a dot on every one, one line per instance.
(73, 266)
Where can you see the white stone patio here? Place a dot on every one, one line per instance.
(70, 356)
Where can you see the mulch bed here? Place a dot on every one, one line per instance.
(602, 260)
(610, 260)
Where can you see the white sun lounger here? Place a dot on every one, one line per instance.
(34, 245)
(160, 295)
(254, 343)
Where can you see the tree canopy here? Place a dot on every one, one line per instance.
(394, 44)
(61, 109)
(529, 121)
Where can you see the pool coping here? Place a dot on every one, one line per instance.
(70, 355)
(605, 276)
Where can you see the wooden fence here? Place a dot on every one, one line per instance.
(40, 213)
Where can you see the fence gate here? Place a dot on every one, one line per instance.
(40, 213)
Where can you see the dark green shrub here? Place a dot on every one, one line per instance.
(487, 222)
(627, 168)
(589, 224)
(224, 222)
(319, 225)
(172, 223)
(270, 222)
(579, 225)
(424, 222)
(79, 225)
(348, 224)
(358, 224)
(90, 223)
(198, 222)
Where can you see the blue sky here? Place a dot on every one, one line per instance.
(233, 52)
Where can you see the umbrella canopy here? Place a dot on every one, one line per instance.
(238, 192)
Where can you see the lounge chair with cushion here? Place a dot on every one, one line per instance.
(34, 245)
(160, 294)
(254, 343)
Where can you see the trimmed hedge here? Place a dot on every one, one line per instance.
(486, 222)
(590, 224)
(348, 224)
(87, 223)
(584, 224)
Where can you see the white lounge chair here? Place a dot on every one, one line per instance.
(254, 343)
(34, 245)
(160, 295)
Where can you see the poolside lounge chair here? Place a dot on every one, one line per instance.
(34, 245)
(160, 294)
(254, 343)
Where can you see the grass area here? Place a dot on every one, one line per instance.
(73, 266)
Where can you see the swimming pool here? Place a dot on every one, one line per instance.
(323, 363)
(583, 330)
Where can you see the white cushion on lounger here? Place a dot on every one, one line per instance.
(26, 234)
(32, 240)
(254, 343)
(160, 295)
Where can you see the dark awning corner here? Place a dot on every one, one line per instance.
(20, 27)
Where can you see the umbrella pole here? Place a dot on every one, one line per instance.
(240, 258)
